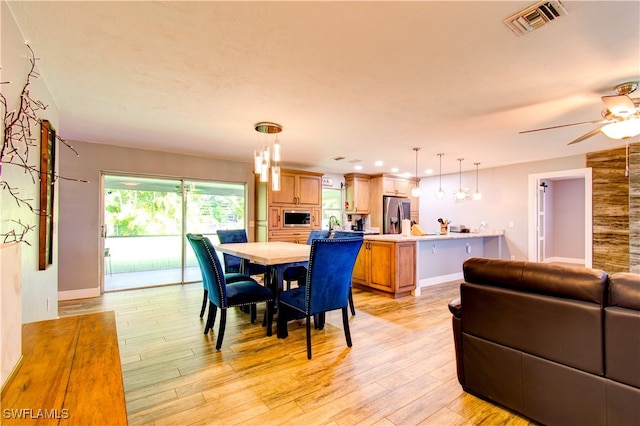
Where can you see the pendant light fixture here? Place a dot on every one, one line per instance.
(460, 195)
(267, 159)
(440, 193)
(415, 191)
(478, 194)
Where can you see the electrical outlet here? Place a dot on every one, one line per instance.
(513, 257)
(511, 224)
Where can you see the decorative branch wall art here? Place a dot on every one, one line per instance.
(22, 126)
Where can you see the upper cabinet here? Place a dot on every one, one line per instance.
(297, 188)
(357, 193)
(397, 187)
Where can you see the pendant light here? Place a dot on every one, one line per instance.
(460, 195)
(415, 191)
(478, 194)
(440, 193)
(267, 159)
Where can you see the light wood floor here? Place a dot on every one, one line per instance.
(400, 370)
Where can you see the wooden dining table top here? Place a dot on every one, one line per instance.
(268, 253)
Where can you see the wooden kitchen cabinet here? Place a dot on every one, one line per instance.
(396, 187)
(301, 191)
(297, 236)
(386, 267)
(297, 188)
(357, 193)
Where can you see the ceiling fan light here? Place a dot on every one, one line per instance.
(623, 129)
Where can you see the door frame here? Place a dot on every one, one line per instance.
(533, 186)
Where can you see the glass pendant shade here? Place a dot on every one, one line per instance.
(275, 178)
(460, 195)
(266, 160)
(440, 194)
(477, 196)
(415, 191)
(623, 129)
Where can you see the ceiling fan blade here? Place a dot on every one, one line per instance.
(620, 105)
(588, 135)
(566, 125)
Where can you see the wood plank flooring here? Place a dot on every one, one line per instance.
(400, 370)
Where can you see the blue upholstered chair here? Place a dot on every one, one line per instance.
(224, 295)
(232, 263)
(299, 273)
(349, 234)
(229, 277)
(327, 288)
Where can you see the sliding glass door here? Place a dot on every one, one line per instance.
(145, 220)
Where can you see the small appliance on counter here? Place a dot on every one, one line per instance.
(459, 229)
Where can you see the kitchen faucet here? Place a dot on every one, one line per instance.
(333, 221)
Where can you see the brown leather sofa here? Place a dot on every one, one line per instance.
(559, 345)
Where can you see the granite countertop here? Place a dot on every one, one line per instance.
(449, 236)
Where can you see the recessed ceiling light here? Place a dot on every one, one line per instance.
(379, 163)
(406, 174)
(130, 183)
(394, 170)
(429, 171)
(358, 167)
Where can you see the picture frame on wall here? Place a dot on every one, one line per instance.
(47, 182)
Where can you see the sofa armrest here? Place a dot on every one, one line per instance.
(455, 307)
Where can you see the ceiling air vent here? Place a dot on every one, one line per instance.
(535, 16)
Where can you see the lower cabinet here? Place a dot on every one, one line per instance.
(299, 237)
(387, 267)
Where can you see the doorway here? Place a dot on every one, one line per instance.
(560, 217)
(144, 222)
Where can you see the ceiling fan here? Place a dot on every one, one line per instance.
(620, 116)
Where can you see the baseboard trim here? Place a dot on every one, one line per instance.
(85, 293)
(440, 279)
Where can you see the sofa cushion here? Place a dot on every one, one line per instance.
(624, 290)
(585, 284)
(561, 330)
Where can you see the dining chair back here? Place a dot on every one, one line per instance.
(299, 273)
(230, 277)
(348, 234)
(232, 263)
(327, 288)
(224, 295)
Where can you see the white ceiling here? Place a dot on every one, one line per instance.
(361, 80)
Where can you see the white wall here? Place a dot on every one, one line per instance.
(504, 200)
(39, 288)
(567, 213)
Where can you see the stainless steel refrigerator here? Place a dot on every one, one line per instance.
(394, 210)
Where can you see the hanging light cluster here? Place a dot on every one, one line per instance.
(267, 158)
(461, 194)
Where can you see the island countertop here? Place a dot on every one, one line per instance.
(449, 236)
(439, 258)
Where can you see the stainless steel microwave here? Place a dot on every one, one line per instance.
(296, 218)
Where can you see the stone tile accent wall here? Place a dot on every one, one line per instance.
(634, 207)
(616, 209)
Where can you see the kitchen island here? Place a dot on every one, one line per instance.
(397, 266)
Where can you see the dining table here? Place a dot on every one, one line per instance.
(275, 255)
